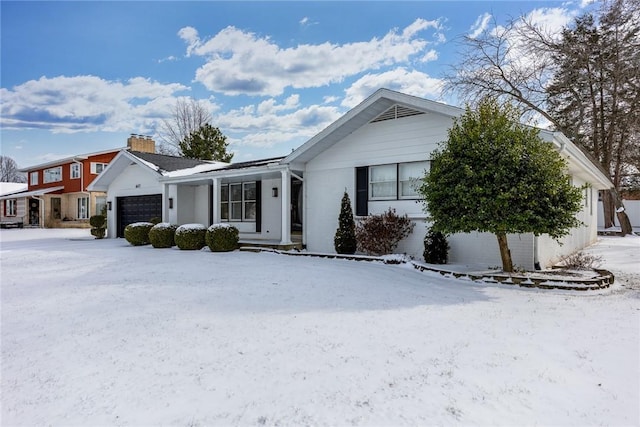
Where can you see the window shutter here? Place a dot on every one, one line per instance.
(258, 206)
(362, 191)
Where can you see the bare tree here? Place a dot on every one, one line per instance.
(9, 171)
(187, 116)
(583, 81)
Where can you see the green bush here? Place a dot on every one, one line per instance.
(436, 248)
(380, 234)
(98, 228)
(162, 235)
(138, 233)
(97, 221)
(222, 238)
(155, 220)
(190, 236)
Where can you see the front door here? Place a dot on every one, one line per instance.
(34, 212)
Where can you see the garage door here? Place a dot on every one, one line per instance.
(136, 209)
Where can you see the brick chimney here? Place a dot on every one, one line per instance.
(141, 143)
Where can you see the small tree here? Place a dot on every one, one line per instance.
(380, 234)
(436, 247)
(206, 143)
(496, 175)
(345, 238)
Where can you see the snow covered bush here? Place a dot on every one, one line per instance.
(162, 235)
(222, 238)
(98, 227)
(190, 236)
(138, 233)
(155, 220)
(436, 248)
(380, 234)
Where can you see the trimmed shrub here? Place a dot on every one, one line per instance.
(436, 248)
(190, 236)
(138, 233)
(222, 238)
(162, 235)
(380, 234)
(155, 220)
(344, 240)
(98, 228)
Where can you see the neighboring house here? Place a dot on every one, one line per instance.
(12, 208)
(57, 193)
(377, 152)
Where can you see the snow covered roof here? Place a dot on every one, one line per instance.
(33, 193)
(68, 159)
(12, 187)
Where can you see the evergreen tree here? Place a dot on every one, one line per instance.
(496, 175)
(206, 143)
(345, 238)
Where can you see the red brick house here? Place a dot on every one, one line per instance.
(57, 195)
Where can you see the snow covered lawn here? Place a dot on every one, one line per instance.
(97, 332)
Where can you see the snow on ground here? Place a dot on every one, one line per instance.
(97, 332)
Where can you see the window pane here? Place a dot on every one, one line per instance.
(53, 175)
(224, 211)
(83, 208)
(382, 173)
(224, 193)
(250, 211)
(34, 178)
(249, 191)
(236, 211)
(236, 192)
(382, 181)
(413, 170)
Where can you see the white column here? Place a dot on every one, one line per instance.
(286, 207)
(215, 201)
(173, 212)
(165, 203)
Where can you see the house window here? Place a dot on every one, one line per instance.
(238, 201)
(249, 201)
(383, 182)
(52, 175)
(83, 208)
(411, 175)
(101, 205)
(10, 207)
(75, 170)
(96, 168)
(33, 178)
(396, 181)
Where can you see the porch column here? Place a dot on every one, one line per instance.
(286, 207)
(215, 200)
(165, 203)
(173, 211)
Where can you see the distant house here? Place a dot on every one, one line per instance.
(12, 208)
(57, 193)
(377, 152)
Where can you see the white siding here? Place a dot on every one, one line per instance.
(271, 207)
(331, 172)
(133, 181)
(632, 208)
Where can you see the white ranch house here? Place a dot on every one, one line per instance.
(375, 152)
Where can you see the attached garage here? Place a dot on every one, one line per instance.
(137, 209)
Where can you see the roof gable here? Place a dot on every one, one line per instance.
(384, 104)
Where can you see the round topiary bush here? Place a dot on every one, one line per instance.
(222, 238)
(155, 220)
(138, 233)
(97, 221)
(190, 236)
(162, 235)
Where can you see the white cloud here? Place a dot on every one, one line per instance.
(411, 82)
(480, 25)
(87, 103)
(240, 62)
(431, 55)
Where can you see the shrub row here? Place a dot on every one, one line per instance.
(218, 237)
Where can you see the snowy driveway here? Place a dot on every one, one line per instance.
(102, 333)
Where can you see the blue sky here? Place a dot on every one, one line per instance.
(79, 77)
